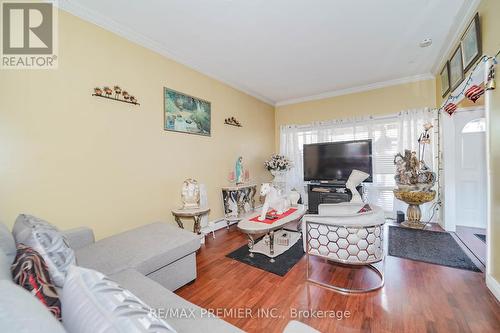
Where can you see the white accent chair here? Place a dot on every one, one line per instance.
(340, 234)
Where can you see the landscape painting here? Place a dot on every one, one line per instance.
(186, 114)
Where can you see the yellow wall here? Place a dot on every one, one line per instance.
(490, 29)
(373, 102)
(78, 160)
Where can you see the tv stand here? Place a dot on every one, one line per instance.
(328, 192)
(327, 182)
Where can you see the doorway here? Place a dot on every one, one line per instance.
(465, 179)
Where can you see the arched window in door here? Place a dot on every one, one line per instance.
(475, 126)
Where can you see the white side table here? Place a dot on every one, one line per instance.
(194, 213)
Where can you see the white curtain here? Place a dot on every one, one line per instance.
(390, 135)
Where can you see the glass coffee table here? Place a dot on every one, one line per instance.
(253, 229)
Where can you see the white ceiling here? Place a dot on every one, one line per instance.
(283, 51)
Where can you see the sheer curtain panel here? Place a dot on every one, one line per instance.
(389, 134)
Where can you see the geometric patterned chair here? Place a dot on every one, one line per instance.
(340, 234)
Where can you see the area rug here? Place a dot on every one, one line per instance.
(282, 264)
(428, 246)
(481, 237)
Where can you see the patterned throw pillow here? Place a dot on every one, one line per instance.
(48, 241)
(93, 303)
(30, 272)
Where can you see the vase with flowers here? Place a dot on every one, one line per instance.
(279, 165)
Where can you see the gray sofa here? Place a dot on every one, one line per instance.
(151, 261)
(159, 251)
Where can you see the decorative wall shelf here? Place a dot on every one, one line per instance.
(233, 125)
(116, 99)
(115, 94)
(233, 122)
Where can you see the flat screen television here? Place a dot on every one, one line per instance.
(334, 161)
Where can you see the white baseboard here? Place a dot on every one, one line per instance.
(221, 223)
(215, 225)
(493, 286)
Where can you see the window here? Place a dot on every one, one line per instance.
(389, 135)
(475, 126)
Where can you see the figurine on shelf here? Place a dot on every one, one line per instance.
(232, 121)
(238, 170)
(115, 94)
(118, 91)
(108, 91)
(190, 194)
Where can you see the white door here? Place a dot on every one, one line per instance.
(470, 168)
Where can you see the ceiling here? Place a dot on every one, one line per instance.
(283, 51)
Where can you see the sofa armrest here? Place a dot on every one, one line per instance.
(79, 237)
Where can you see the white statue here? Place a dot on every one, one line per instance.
(190, 194)
(356, 178)
(273, 201)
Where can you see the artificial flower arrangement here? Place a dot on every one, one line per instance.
(278, 163)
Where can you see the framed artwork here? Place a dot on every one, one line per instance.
(456, 69)
(471, 44)
(445, 79)
(185, 114)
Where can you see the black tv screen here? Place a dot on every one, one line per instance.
(334, 161)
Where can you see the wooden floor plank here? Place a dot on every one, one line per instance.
(417, 297)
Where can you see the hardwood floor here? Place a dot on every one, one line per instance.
(417, 297)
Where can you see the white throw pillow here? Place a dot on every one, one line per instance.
(48, 241)
(93, 303)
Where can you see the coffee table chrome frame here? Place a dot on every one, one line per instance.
(267, 231)
(379, 272)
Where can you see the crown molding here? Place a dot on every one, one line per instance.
(138, 38)
(467, 11)
(462, 19)
(357, 89)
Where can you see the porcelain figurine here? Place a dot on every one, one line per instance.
(356, 178)
(190, 194)
(238, 170)
(294, 197)
(272, 201)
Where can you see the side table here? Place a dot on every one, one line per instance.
(238, 201)
(194, 213)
